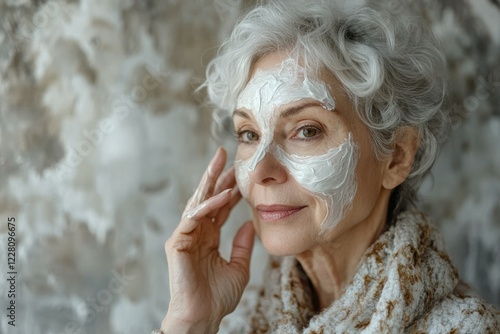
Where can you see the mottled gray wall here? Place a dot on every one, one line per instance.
(102, 141)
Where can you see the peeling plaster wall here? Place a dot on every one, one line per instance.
(102, 141)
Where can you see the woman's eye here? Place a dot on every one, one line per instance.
(307, 132)
(247, 136)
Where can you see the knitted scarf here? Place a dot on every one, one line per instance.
(405, 283)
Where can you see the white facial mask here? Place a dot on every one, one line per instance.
(328, 176)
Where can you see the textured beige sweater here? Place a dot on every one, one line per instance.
(405, 283)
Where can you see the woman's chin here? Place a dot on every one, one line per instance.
(284, 244)
(290, 235)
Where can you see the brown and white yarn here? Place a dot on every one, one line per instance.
(405, 283)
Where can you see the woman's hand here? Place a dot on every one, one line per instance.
(203, 286)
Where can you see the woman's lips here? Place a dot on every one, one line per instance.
(276, 212)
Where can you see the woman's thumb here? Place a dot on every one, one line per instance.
(243, 246)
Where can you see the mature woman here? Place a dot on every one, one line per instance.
(338, 118)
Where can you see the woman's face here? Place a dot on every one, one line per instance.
(304, 161)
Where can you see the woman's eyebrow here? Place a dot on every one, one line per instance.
(297, 109)
(288, 112)
(241, 113)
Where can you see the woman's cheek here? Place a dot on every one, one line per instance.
(242, 176)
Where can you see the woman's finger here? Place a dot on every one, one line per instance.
(225, 181)
(207, 184)
(192, 217)
(224, 211)
(235, 197)
(215, 166)
(242, 247)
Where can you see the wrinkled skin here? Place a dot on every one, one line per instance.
(204, 287)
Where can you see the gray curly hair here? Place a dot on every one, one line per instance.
(391, 67)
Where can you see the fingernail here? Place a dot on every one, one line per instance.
(222, 193)
(225, 191)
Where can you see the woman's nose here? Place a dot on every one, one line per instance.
(269, 171)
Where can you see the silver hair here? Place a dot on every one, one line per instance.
(392, 68)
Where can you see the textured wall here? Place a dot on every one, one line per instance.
(102, 141)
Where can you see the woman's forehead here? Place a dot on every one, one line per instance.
(281, 81)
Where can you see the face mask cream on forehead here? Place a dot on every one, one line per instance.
(329, 176)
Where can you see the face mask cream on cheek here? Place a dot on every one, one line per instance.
(329, 176)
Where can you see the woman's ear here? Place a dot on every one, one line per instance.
(400, 163)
